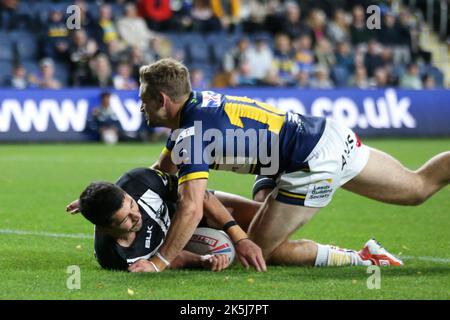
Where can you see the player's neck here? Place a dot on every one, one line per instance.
(179, 108)
(125, 240)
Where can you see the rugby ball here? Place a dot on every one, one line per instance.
(211, 241)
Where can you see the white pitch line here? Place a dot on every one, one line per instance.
(46, 234)
(429, 259)
(86, 236)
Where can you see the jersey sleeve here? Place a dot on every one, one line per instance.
(167, 150)
(188, 154)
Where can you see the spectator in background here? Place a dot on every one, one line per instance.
(291, 23)
(338, 30)
(158, 48)
(259, 58)
(359, 32)
(274, 15)
(10, 18)
(254, 15)
(236, 55)
(203, 18)
(284, 63)
(345, 57)
(198, 81)
(103, 30)
(242, 76)
(321, 79)
(81, 52)
(303, 79)
(116, 51)
(324, 53)
(359, 79)
(317, 23)
(372, 58)
(123, 80)
(304, 55)
(104, 121)
(18, 79)
(100, 74)
(136, 60)
(45, 78)
(228, 13)
(411, 79)
(390, 34)
(158, 14)
(386, 56)
(380, 79)
(429, 82)
(86, 18)
(133, 29)
(405, 37)
(55, 43)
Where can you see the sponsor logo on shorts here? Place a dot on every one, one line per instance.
(321, 192)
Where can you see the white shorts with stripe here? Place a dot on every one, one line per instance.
(337, 158)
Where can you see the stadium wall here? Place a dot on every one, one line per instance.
(60, 115)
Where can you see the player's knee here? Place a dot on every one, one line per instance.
(416, 199)
(417, 194)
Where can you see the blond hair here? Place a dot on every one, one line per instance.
(166, 75)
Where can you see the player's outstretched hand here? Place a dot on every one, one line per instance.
(73, 207)
(249, 253)
(214, 262)
(142, 265)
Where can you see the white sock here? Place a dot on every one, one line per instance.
(330, 256)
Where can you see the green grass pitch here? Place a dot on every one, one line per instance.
(37, 181)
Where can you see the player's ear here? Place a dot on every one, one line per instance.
(165, 100)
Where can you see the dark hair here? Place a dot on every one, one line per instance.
(99, 201)
(105, 94)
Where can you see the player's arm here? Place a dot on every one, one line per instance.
(186, 218)
(165, 163)
(247, 251)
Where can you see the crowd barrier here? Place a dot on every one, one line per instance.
(61, 115)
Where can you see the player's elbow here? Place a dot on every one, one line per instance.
(192, 211)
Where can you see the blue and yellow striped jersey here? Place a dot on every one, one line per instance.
(240, 134)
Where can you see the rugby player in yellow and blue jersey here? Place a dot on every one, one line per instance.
(309, 158)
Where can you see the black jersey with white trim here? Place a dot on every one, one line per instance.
(156, 194)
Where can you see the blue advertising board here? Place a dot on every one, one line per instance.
(61, 115)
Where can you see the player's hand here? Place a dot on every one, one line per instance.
(214, 262)
(249, 253)
(142, 265)
(73, 207)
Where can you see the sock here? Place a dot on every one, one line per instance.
(330, 256)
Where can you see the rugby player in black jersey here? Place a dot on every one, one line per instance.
(133, 215)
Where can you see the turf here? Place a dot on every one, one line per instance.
(37, 181)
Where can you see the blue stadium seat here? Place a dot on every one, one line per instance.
(62, 73)
(197, 48)
(31, 67)
(26, 45)
(6, 47)
(5, 71)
